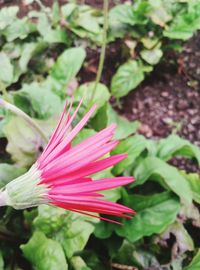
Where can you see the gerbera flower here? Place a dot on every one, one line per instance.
(62, 174)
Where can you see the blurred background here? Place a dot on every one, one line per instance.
(139, 62)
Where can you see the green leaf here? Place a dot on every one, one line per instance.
(127, 78)
(9, 172)
(68, 9)
(8, 16)
(194, 181)
(124, 126)
(100, 95)
(123, 14)
(133, 147)
(67, 65)
(49, 34)
(152, 56)
(185, 24)
(100, 120)
(28, 51)
(1, 262)
(6, 69)
(82, 135)
(130, 14)
(159, 13)
(176, 146)
(21, 28)
(44, 253)
(112, 195)
(71, 230)
(21, 141)
(195, 263)
(169, 176)
(88, 20)
(154, 214)
(43, 100)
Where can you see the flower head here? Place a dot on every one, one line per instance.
(62, 174)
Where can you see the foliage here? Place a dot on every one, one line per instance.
(40, 61)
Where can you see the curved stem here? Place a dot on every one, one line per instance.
(22, 114)
(2, 198)
(103, 47)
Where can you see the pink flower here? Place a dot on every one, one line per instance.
(62, 174)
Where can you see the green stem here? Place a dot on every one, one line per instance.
(28, 119)
(103, 47)
(43, 9)
(40, 4)
(2, 198)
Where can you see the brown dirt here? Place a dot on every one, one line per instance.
(170, 98)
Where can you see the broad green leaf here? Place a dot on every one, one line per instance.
(194, 181)
(133, 147)
(159, 13)
(27, 52)
(8, 16)
(125, 253)
(154, 214)
(84, 21)
(130, 14)
(184, 25)
(149, 43)
(43, 100)
(100, 120)
(50, 35)
(127, 78)
(6, 69)
(156, 169)
(88, 19)
(24, 52)
(104, 230)
(124, 126)
(56, 35)
(82, 135)
(98, 96)
(123, 14)
(22, 141)
(67, 65)
(21, 28)
(112, 195)
(195, 263)
(71, 230)
(8, 172)
(44, 253)
(67, 9)
(176, 146)
(152, 56)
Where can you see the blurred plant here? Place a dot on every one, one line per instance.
(41, 56)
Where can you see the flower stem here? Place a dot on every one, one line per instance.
(2, 198)
(103, 47)
(22, 114)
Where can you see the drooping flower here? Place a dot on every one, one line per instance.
(62, 174)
